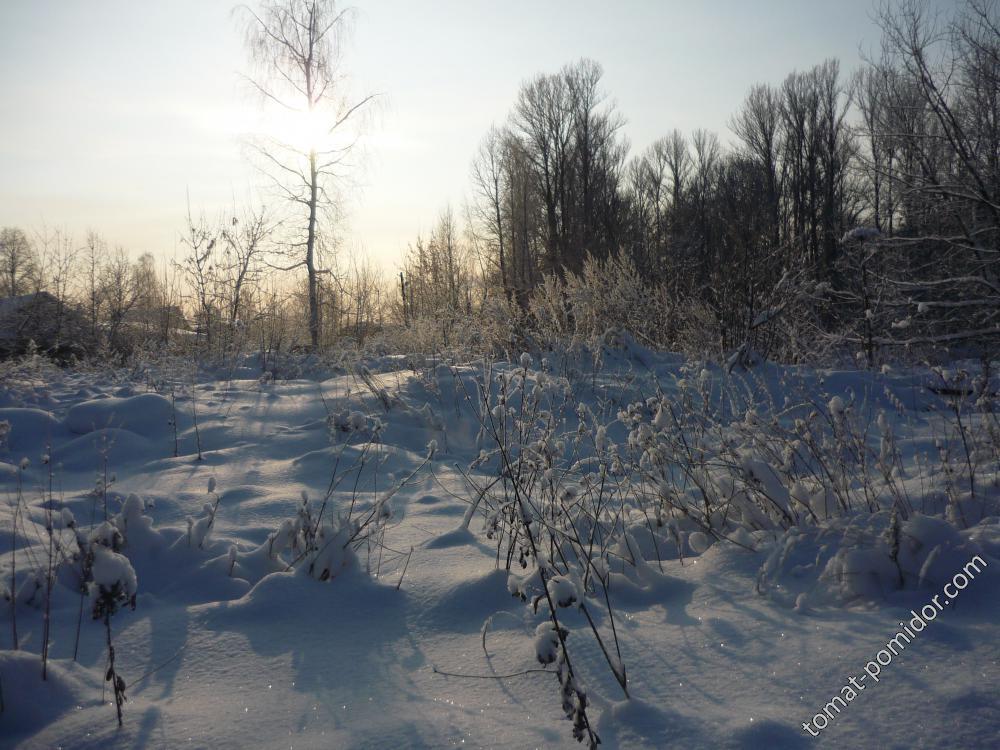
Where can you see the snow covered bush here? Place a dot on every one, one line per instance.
(113, 583)
(199, 530)
(865, 558)
(584, 311)
(580, 505)
(537, 515)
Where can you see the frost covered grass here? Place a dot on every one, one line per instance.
(378, 554)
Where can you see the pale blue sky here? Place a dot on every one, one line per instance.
(112, 109)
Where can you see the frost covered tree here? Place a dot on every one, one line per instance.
(439, 276)
(120, 290)
(17, 262)
(296, 48)
(930, 106)
(245, 240)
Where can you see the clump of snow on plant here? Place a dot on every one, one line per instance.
(111, 569)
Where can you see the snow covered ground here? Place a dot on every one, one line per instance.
(727, 644)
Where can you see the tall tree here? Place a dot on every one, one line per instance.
(758, 126)
(296, 46)
(489, 185)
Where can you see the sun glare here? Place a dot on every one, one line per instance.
(301, 131)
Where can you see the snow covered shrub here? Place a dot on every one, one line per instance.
(135, 527)
(551, 314)
(744, 324)
(199, 530)
(318, 542)
(610, 294)
(585, 310)
(349, 421)
(113, 583)
(503, 327)
(330, 552)
(545, 521)
(308, 543)
(581, 502)
(864, 558)
(698, 331)
(454, 334)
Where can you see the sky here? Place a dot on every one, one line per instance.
(116, 114)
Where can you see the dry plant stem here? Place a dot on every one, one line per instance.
(104, 483)
(336, 479)
(83, 588)
(46, 621)
(79, 623)
(617, 669)
(522, 507)
(194, 417)
(157, 668)
(956, 407)
(211, 520)
(13, 562)
(111, 674)
(522, 673)
(173, 418)
(376, 508)
(405, 566)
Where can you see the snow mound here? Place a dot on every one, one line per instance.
(87, 452)
(638, 723)
(771, 734)
(852, 560)
(148, 414)
(454, 538)
(464, 606)
(31, 703)
(30, 430)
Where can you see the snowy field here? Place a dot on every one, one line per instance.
(337, 568)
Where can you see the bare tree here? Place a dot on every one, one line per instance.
(120, 292)
(544, 123)
(361, 291)
(18, 267)
(245, 239)
(56, 258)
(95, 250)
(758, 126)
(939, 115)
(296, 46)
(171, 314)
(199, 267)
(489, 173)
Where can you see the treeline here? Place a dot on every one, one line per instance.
(858, 212)
(228, 292)
(848, 214)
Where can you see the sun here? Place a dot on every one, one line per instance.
(301, 131)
